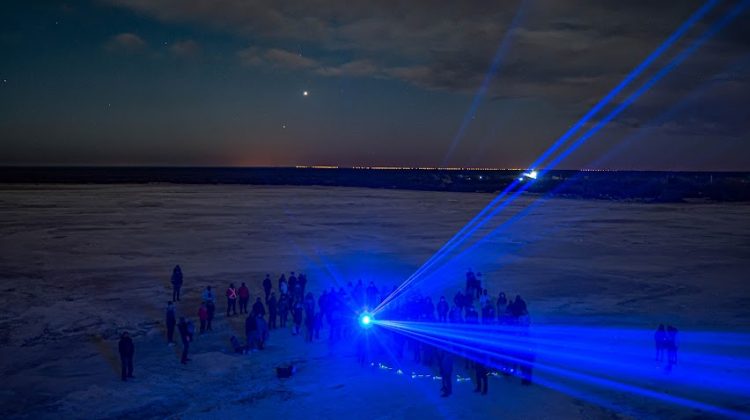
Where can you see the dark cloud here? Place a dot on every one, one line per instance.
(127, 42)
(186, 48)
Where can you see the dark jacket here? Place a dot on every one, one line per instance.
(127, 349)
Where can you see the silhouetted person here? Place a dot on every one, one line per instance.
(244, 294)
(262, 334)
(481, 372)
(231, 299)
(267, 285)
(186, 338)
(660, 342)
(302, 281)
(210, 298)
(442, 309)
(282, 285)
(445, 359)
(176, 283)
(672, 345)
(127, 350)
(251, 329)
(297, 317)
(283, 309)
(459, 301)
(203, 317)
(258, 308)
(273, 306)
(171, 322)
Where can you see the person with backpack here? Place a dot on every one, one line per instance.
(231, 299)
(171, 322)
(127, 350)
(176, 281)
(244, 294)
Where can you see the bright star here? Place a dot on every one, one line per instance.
(305, 93)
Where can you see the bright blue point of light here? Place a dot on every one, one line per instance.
(365, 320)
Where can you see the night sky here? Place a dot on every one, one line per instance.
(200, 82)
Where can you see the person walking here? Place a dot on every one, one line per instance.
(171, 322)
(127, 350)
(176, 283)
(244, 294)
(231, 299)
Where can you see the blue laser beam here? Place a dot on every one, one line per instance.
(674, 37)
(501, 51)
(482, 351)
(715, 28)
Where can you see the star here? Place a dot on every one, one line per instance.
(305, 93)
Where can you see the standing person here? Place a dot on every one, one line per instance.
(176, 283)
(244, 294)
(317, 325)
(445, 358)
(309, 326)
(210, 298)
(251, 329)
(660, 341)
(302, 280)
(203, 317)
(484, 299)
(672, 345)
(481, 371)
(442, 309)
(262, 333)
(283, 309)
(297, 316)
(293, 286)
(171, 322)
(502, 306)
(471, 281)
(186, 338)
(267, 285)
(272, 310)
(127, 350)
(478, 285)
(231, 299)
(459, 301)
(258, 308)
(282, 285)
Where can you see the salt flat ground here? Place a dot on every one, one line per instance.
(81, 263)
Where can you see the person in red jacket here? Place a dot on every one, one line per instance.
(203, 316)
(244, 293)
(231, 299)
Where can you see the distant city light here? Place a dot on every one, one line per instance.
(305, 93)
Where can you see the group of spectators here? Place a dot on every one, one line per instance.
(338, 309)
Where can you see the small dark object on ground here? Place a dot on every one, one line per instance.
(285, 371)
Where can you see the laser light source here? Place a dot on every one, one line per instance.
(365, 320)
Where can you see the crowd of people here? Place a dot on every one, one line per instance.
(297, 309)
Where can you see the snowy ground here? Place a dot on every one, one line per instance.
(81, 263)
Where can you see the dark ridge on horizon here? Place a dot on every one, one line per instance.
(660, 186)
